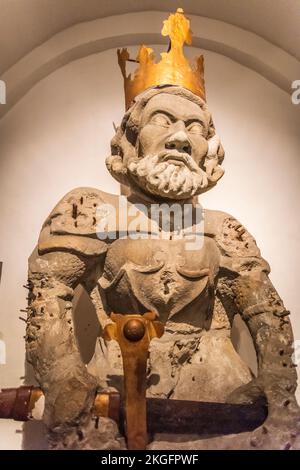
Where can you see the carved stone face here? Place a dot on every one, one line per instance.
(172, 147)
(175, 128)
(167, 147)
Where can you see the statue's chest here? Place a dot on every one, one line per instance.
(164, 276)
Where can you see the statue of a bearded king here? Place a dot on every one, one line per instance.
(156, 250)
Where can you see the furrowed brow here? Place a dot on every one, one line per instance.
(192, 120)
(163, 111)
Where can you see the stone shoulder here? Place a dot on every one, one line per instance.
(238, 248)
(72, 224)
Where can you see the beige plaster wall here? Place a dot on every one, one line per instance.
(57, 137)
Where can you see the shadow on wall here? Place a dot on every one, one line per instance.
(243, 343)
(87, 329)
(86, 325)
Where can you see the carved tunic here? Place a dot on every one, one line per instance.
(161, 275)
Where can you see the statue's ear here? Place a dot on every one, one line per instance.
(214, 157)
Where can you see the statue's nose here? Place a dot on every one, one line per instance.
(179, 141)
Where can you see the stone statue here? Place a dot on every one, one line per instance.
(166, 151)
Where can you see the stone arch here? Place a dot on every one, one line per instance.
(101, 34)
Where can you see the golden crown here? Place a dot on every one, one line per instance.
(173, 68)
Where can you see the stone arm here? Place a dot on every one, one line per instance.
(68, 254)
(244, 287)
(267, 319)
(50, 340)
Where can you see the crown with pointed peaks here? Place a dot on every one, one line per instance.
(173, 68)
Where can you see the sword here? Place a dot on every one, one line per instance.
(163, 415)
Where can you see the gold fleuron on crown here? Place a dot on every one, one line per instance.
(173, 68)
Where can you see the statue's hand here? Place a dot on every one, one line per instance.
(283, 413)
(247, 394)
(273, 387)
(68, 400)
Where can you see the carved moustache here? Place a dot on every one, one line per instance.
(174, 156)
(170, 173)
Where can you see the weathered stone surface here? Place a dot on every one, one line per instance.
(100, 434)
(166, 150)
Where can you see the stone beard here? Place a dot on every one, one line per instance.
(161, 178)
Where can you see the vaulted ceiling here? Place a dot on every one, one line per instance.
(25, 24)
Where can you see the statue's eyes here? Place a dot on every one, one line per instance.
(160, 120)
(195, 128)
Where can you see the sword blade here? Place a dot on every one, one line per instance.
(191, 417)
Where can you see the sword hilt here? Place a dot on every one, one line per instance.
(134, 334)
